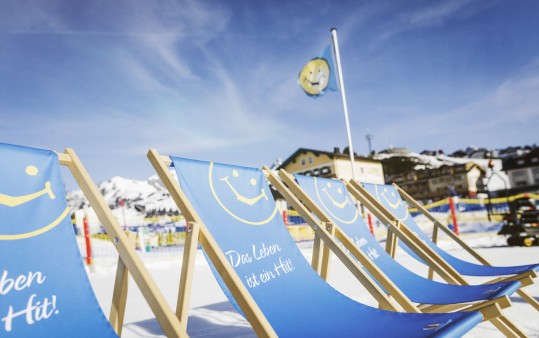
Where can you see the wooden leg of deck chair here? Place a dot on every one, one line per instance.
(119, 296)
(391, 242)
(326, 254)
(316, 261)
(186, 278)
(431, 273)
(508, 328)
(532, 301)
(434, 240)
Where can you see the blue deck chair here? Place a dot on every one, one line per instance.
(44, 288)
(330, 201)
(386, 203)
(231, 212)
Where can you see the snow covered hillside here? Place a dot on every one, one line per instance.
(140, 197)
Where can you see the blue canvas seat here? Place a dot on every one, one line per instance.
(390, 198)
(234, 217)
(44, 288)
(331, 203)
(386, 203)
(332, 198)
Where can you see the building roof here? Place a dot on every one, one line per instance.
(336, 154)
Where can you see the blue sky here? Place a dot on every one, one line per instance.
(216, 80)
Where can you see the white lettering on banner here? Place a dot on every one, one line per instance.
(372, 253)
(236, 258)
(279, 268)
(20, 283)
(360, 242)
(266, 276)
(261, 253)
(34, 312)
(265, 251)
(283, 267)
(252, 281)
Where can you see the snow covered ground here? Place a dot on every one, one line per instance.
(211, 314)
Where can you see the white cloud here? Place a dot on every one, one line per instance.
(435, 14)
(429, 14)
(503, 113)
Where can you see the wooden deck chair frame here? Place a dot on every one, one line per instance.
(128, 262)
(197, 233)
(437, 226)
(306, 207)
(435, 263)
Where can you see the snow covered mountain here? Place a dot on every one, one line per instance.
(140, 198)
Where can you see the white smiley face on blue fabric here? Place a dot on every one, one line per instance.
(242, 193)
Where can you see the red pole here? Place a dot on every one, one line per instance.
(369, 219)
(87, 240)
(285, 217)
(122, 202)
(453, 215)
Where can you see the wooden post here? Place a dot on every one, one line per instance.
(119, 295)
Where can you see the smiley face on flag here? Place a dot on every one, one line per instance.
(317, 76)
(314, 77)
(242, 193)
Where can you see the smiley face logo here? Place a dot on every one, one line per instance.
(314, 77)
(13, 201)
(336, 201)
(240, 197)
(336, 204)
(18, 205)
(242, 193)
(391, 199)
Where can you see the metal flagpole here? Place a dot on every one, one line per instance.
(343, 97)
